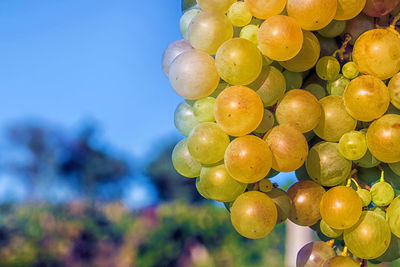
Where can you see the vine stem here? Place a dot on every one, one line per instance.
(382, 179)
(344, 253)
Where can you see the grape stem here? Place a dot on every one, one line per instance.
(330, 242)
(344, 253)
(392, 26)
(382, 179)
(342, 50)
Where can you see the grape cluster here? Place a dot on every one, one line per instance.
(291, 85)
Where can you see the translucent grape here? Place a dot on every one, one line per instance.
(394, 90)
(393, 215)
(377, 52)
(379, 8)
(185, 20)
(280, 38)
(353, 145)
(335, 121)
(238, 110)
(173, 51)
(300, 109)
(238, 61)
(379, 210)
(207, 143)
(220, 6)
(183, 162)
(267, 122)
(357, 26)
(184, 118)
(265, 185)
(307, 57)
(250, 32)
(193, 83)
(314, 254)
(393, 252)
(239, 14)
(348, 9)
(365, 196)
(248, 159)
(326, 165)
(382, 193)
(282, 203)
(200, 189)
(337, 87)
(288, 146)
(204, 109)
(370, 229)
(333, 29)
(350, 70)
(329, 231)
(341, 261)
(328, 68)
(312, 14)
(395, 167)
(316, 89)
(209, 30)
(366, 98)
(253, 214)
(294, 80)
(264, 9)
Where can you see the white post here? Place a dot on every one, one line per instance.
(296, 238)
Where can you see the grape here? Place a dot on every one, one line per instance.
(353, 145)
(238, 110)
(185, 20)
(266, 123)
(306, 196)
(366, 98)
(264, 9)
(220, 6)
(395, 167)
(333, 29)
(307, 57)
(383, 138)
(188, 4)
(328, 45)
(314, 254)
(265, 185)
(326, 165)
(368, 175)
(393, 215)
(379, 8)
(294, 80)
(312, 14)
(221, 87)
(248, 159)
(393, 252)
(301, 173)
(173, 51)
(239, 14)
(365, 196)
(348, 9)
(250, 32)
(200, 189)
(341, 207)
(335, 121)
(382, 193)
(329, 231)
(193, 83)
(376, 52)
(184, 118)
(288, 146)
(394, 90)
(238, 61)
(337, 87)
(207, 143)
(341, 261)
(358, 26)
(219, 185)
(350, 70)
(300, 109)
(316, 89)
(368, 161)
(183, 162)
(328, 68)
(282, 203)
(204, 109)
(280, 38)
(370, 229)
(253, 214)
(209, 30)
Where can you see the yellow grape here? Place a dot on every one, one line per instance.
(253, 214)
(348, 9)
(239, 15)
(377, 52)
(185, 20)
(312, 14)
(220, 6)
(300, 109)
(193, 83)
(238, 110)
(393, 215)
(288, 146)
(353, 145)
(335, 121)
(183, 162)
(267, 122)
(264, 9)
(209, 30)
(250, 32)
(248, 159)
(307, 57)
(394, 90)
(341, 261)
(383, 138)
(366, 98)
(329, 231)
(280, 38)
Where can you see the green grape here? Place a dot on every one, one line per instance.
(239, 14)
(253, 214)
(329, 231)
(370, 229)
(395, 167)
(390, 177)
(335, 121)
(328, 45)
(394, 90)
(200, 189)
(204, 109)
(328, 68)
(314, 254)
(341, 207)
(341, 261)
(379, 210)
(367, 161)
(184, 118)
(306, 196)
(282, 203)
(326, 165)
(193, 83)
(366, 98)
(350, 70)
(382, 193)
(316, 89)
(393, 252)
(280, 37)
(337, 87)
(220, 6)
(393, 216)
(183, 162)
(348, 9)
(365, 196)
(307, 57)
(264, 9)
(185, 20)
(238, 61)
(353, 145)
(207, 143)
(221, 87)
(265, 185)
(312, 14)
(376, 52)
(333, 29)
(219, 185)
(266, 123)
(209, 30)
(250, 32)
(294, 80)
(173, 51)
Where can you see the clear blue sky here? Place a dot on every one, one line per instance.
(63, 61)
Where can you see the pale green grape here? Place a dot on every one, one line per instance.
(184, 118)
(379, 210)
(328, 45)
(394, 90)
(316, 89)
(185, 20)
(353, 145)
(328, 68)
(200, 189)
(329, 231)
(239, 14)
(294, 80)
(382, 193)
(393, 252)
(264, 9)
(368, 161)
(173, 51)
(183, 162)
(282, 203)
(348, 9)
(337, 87)
(350, 70)
(395, 167)
(204, 109)
(365, 196)
(393, 216)
(333, 29)
(250, 32)
(266, 123)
